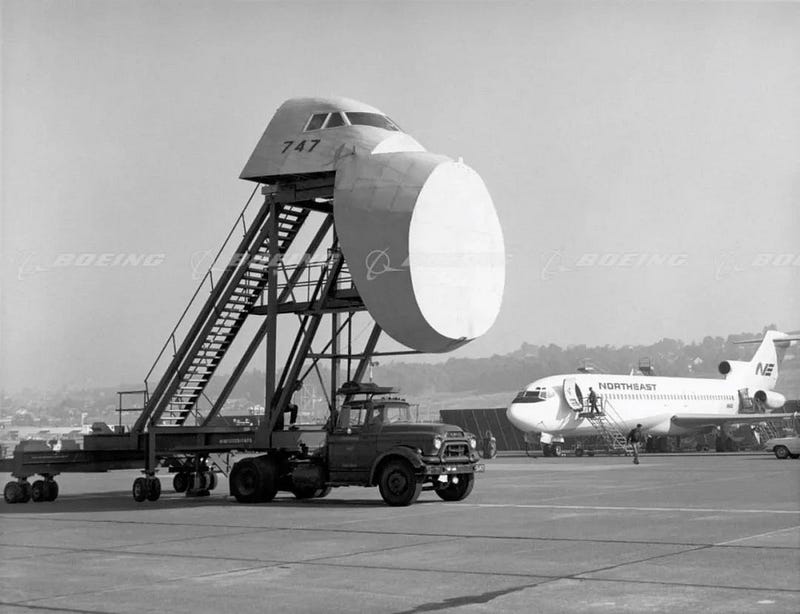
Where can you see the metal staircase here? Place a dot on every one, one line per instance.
(608, 425)
(232, 298)
(767, 430)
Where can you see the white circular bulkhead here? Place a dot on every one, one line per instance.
(423, 244)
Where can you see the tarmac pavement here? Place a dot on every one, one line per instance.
(715, 533)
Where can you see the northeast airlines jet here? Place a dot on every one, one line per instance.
(551, 406)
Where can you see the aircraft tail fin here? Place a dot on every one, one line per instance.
(762, 370)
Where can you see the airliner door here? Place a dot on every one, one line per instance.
(572, 394)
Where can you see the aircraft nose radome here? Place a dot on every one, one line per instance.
(516, 416)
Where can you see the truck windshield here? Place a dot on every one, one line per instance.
(397, 413)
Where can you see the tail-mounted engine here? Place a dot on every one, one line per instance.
(769, 399)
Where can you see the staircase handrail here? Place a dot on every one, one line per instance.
(208, 275)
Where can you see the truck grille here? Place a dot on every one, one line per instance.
(456, 449)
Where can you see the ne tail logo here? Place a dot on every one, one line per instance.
(765, 369)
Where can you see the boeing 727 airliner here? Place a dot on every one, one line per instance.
(555, 406)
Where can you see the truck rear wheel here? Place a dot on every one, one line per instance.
(458, 491)
(253, 480)
(245, 481)
(398, 483)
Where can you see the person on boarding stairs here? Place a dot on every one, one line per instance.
(593, 402)
(634, 437)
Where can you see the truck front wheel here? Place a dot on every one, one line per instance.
(398, 483)
(458, 491)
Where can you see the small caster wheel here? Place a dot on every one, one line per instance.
(139, 490)
(153, 489)
(180, 482)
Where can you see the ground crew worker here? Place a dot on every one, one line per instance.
(634, 437)
(292, 408)
(489, 445)
(593, 402)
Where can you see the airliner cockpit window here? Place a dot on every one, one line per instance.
(533, 396)
(371, 119)
(316, 121)
(334, 120)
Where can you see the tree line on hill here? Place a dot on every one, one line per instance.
(494, 374)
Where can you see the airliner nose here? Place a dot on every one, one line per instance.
(516, 416)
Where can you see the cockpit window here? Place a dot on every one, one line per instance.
(316, 121)
(371, 119)
(334, 120)
(535, 395)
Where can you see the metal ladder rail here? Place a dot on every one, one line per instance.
(607, 424)
(227, 317)
(247, 286)
(209, 317)
(617, 428)
(185, 407)
(207, 309)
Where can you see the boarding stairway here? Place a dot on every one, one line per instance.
(767, 430)
(231, 299)
(608, 425)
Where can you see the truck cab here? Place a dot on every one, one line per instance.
(374, 439)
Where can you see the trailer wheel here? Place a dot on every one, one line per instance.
(209, 480)
(557, 449)
(180, 482)
(153, 489)
(25, 492)
(38, 491)
(52, 490)
(139, 490)
(458, 491)
(322, 492)
(398, 484)
(12, 492)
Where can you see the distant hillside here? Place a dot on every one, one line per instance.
(454, 383)
(465, 379)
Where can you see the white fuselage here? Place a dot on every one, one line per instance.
(631, 399)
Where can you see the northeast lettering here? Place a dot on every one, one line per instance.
(626, 386)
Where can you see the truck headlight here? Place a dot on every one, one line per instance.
(473, 443)
(437, 442)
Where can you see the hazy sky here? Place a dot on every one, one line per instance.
(644, 158)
